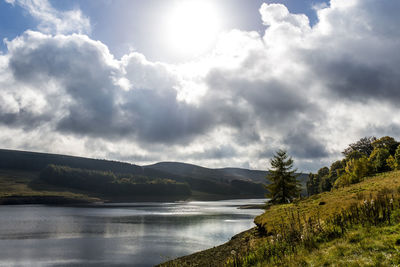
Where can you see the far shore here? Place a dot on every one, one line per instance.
(63, 200)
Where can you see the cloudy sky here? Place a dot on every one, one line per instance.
(211, 82)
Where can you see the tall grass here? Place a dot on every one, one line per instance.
(296, 231)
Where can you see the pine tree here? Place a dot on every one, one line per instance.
(284, 186)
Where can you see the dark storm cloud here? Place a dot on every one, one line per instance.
(78, 65)
(301, 144)
(355, 56)
(219, 152)
(271, 101)
(359, 81)
(97, 106)
(23, 119)
(158, 116)
(392, 129)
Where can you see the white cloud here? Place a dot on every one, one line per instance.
(54, 21)
(310, 89)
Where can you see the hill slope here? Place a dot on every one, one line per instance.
(21, 187)
(228, 174)
(352, 242)
(207, 183)
(222, 174)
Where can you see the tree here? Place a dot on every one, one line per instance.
(357, 169)
(312, 184)
(378, 158)
(336, 169)
(386, 142)
(394, 161)
(363, 146)
(284, 186)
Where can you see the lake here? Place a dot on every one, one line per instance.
(134, 234)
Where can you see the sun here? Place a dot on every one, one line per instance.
(191, 27)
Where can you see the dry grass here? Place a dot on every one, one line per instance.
(335, 200)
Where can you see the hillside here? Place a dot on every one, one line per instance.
(222, 174)
(225, 174)
(21, 187)
(358, 225)
(34, 161)
(203, 182)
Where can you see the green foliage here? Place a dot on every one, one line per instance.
(325, 178)
(378, 159)
(397, 154)
(284, 186)
(325, 184)
(343, 180)
(363, 147)
(363, 158)
(386, 142)
(336, 170)
(354, 155)
(355, 171)
(391, 163)
(394, 161)
(312, 184)
(358, 169)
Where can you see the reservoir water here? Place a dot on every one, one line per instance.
(131, 234)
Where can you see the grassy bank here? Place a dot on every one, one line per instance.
(351, 226)
(327, 204)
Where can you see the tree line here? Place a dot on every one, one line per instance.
(366, 157)
(112, 184)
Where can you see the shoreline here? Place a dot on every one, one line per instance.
(219, 255)
(43, 200)
(240, 243)
(64, 200)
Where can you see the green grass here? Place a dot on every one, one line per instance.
(26, 184)
(337, 236)
(335, 201)
(361, 246)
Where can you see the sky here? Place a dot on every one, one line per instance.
(216, 83)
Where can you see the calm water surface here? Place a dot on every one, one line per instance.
(134, 234)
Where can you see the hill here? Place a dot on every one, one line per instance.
(358, 225)
(22, 187)
(34, 161)
(222, 174)
(204, 183)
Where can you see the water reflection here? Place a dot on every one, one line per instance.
(139, 234)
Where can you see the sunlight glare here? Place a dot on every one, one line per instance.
(191, 27)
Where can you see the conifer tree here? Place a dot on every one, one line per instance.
(284, 186)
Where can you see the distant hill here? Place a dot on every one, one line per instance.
(225, 183)
(34, 161)
(221, 174)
